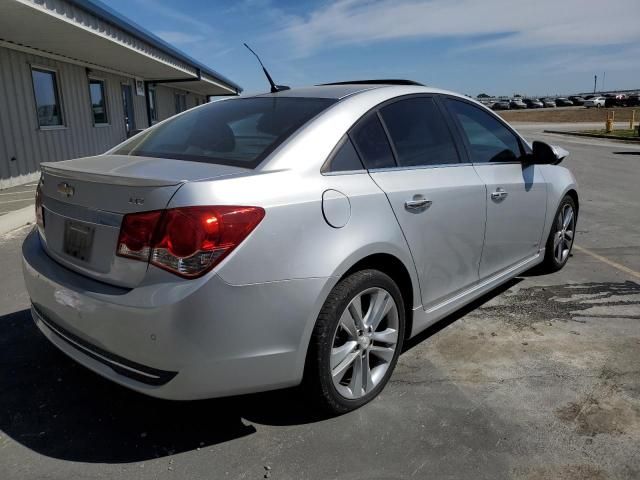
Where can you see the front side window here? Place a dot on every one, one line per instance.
(239, 132)
(419, 133)
(45, 88)
(98, 101)
(489, 140)
(372, 144)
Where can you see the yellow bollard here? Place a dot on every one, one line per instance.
(608, 125)
(632, 120)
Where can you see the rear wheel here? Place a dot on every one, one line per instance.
(561, 237)
(356, 341)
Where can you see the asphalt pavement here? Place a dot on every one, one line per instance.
(538, 380)
(17, 197)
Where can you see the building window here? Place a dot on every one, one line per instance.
(45, 89)
(98, 102)
(181, 102)
(153, 110)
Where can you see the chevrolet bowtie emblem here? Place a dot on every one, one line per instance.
(65, 189)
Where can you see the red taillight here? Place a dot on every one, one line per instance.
(136, 233)
(187, 241)
(39, 213)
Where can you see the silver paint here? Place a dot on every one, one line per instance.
(245, 326)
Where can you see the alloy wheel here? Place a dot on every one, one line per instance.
(364, 343)
(563, 238)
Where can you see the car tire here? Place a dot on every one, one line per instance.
(333, 383)
(561, 237)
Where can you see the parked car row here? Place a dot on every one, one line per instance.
(519, 103)
(621, 100)
(588, 101)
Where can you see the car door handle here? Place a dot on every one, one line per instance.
(499, 194)
(417, 204)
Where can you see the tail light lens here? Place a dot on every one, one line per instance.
(187, 241)
(136, 233)
(39, 212)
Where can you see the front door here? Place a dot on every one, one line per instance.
(439, 203)
(127, 103)
(516, 192)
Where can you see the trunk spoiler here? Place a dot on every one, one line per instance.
(76, 173)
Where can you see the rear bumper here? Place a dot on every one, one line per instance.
(175, 338)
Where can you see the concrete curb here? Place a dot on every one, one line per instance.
(16, 219)
(595, 135)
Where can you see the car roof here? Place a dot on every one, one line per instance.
(322, 91)
(340, 91)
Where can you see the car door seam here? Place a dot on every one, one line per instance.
(406, 241)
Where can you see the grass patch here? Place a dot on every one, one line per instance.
(614, 133)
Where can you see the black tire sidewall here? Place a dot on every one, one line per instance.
(550, 259)
(322, 341)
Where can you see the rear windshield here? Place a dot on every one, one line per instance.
(237, 132)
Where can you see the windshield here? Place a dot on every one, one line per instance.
(237, 132)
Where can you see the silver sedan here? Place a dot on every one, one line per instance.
(298, 237)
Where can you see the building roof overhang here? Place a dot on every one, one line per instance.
(85, 32)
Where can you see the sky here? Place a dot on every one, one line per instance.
(498, 47)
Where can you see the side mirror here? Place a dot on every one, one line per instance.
(545, 154)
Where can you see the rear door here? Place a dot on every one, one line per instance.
(516, 191)
(438, 201)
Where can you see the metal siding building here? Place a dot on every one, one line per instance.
(91, 65)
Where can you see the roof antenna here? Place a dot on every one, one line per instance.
(274, 88)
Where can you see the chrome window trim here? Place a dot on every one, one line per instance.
(345, 172)
(420, 167)
(510, 162)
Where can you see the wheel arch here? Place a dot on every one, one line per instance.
(398, 272)
(574, 196)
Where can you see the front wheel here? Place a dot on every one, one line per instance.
(356, 341)
(561, 237)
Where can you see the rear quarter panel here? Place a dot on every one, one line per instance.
(294, 241)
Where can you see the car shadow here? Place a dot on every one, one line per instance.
(56, 407)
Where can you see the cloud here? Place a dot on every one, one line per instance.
(176, 15)
(530, 24)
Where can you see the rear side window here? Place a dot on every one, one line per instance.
(344, 159)
(419, 133)
(371, 141)
(237, 132)
(489, 140)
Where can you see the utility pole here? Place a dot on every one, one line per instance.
(595, 83)
(604, 76)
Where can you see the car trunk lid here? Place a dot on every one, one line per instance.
(84, 201)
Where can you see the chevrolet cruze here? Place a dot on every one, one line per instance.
(296, 237)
